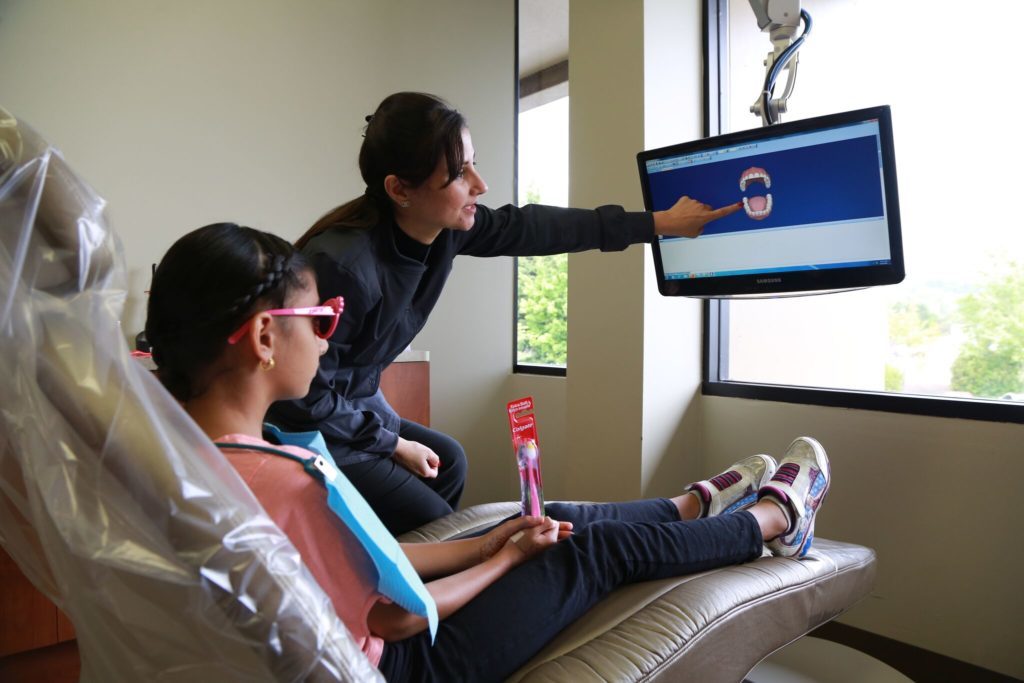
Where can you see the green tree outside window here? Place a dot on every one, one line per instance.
(542, 321)
(991, 361)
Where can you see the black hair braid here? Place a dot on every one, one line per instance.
(271, 279)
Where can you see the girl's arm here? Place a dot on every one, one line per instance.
(435, 560)
(451, 593)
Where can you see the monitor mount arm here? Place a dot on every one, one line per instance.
(780, 18)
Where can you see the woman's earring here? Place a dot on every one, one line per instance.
(404, 205)
(267, 364)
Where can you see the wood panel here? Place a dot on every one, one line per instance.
(65, 628)
(55, 664)
(406, 386)
(27, 618)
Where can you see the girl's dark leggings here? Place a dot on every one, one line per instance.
(613, 544)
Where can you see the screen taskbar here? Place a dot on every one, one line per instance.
(685, 275)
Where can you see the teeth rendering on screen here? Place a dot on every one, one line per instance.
(758, 207)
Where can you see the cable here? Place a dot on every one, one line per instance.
(780, 64)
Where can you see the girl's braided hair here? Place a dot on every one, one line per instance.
(207, 285)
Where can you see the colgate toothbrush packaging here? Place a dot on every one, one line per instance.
(523, 425)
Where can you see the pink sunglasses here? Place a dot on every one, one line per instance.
(326, 318)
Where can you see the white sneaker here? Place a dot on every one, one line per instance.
(734, 489)
(799, 485)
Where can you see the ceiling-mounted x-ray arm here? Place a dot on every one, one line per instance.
(780, 19)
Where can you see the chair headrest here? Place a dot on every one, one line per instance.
(71, 247)
(112, 500)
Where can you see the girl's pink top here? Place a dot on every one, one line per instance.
(297, 503)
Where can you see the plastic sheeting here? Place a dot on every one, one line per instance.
(112, 501)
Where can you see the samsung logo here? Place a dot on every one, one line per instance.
(768, 280)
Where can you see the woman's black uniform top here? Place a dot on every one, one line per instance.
(391, 285)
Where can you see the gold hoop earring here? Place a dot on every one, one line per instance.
(267, 365)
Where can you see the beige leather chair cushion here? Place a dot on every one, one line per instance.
(712, 626)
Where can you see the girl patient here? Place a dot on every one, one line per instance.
(236, 323)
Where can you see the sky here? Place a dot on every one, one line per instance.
(544, 152)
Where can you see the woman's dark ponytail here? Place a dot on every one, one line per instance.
(359, 213)
(407, 136)
(207, 285)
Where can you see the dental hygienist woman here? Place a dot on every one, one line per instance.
(389, 253)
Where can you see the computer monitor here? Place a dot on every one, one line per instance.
(821, 210)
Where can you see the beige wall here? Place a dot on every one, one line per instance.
(633, 365)
(936, 498)
(606, 290)
(186, 113)
(672, 112)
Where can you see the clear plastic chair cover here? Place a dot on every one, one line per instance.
(112, 501)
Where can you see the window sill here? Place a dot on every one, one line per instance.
(960, 408)
(545, 370)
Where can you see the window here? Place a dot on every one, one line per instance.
(541, 285)
(954, 329)
(542, 281)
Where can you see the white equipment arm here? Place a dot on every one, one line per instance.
(780, 19)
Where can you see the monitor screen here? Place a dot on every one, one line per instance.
(820, 208)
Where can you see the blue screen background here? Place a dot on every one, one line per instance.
(834, 181)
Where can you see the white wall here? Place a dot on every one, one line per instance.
(186, 113)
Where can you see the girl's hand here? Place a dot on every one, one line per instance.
(496, 538)
(417, 458)
(535, 539)
(688, 216)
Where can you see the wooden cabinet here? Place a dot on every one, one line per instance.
(36, 638)
(28, 620)
(406, 386)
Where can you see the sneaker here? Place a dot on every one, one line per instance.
(734, 489)
(799, 485)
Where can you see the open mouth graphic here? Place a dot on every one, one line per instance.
(757, 207)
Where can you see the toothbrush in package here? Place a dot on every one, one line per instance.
(523, 426)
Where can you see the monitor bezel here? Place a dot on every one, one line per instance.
(790, 283)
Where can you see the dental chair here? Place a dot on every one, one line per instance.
(120, 510)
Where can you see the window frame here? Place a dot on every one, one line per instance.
(716, 311)
(546, 78)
